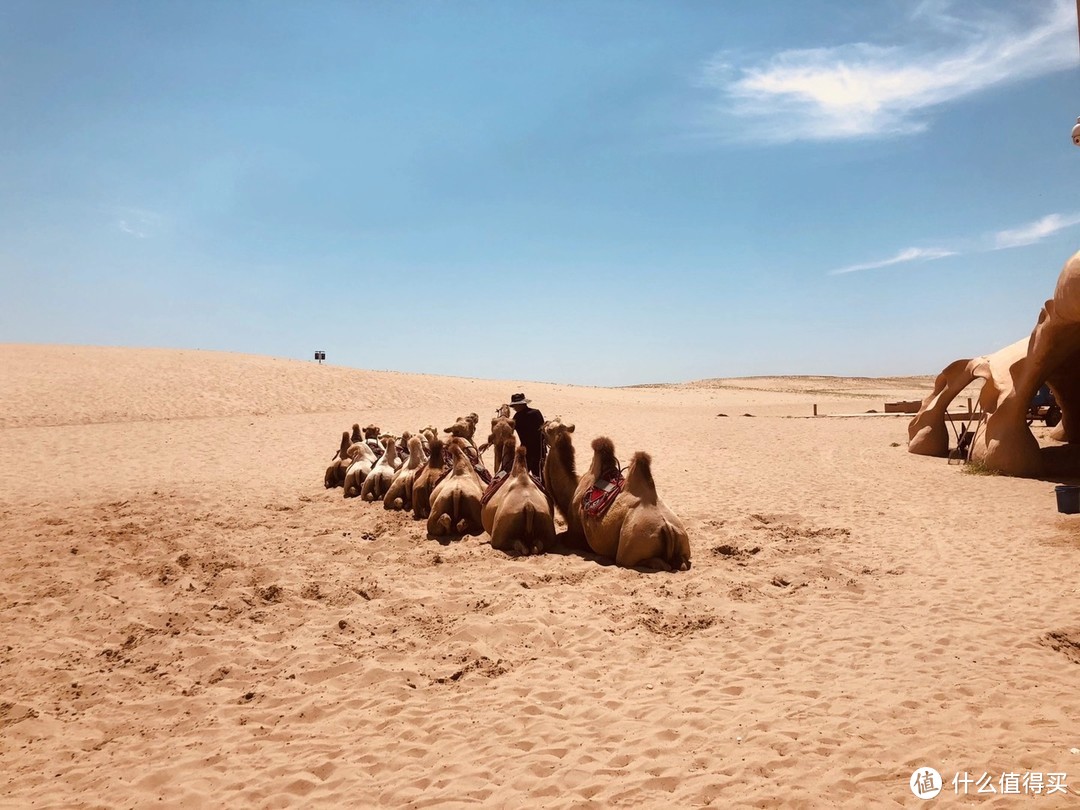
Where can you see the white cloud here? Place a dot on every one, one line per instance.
(137, 222)
(863, 89)
(1035, 231)
(912, 254)
(1020, 236)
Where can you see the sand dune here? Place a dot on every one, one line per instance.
(192, 620)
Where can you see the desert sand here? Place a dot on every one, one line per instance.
(190, 619)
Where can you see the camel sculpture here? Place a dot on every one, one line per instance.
(455, 501)
(1011, 376)
(382, 474)
(426, 478)
(399, 495)
(359, 468)
(637, 529)
(561, 478)
(523, 523)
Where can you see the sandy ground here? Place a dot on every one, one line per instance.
(190, 619)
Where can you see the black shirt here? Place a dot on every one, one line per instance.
(528, 423)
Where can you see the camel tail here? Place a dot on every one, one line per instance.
(668, 536)
(456, 507)
(530, 514)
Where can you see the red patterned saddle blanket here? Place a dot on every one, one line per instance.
(603, 493)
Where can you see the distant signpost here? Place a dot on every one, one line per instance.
(320, 356)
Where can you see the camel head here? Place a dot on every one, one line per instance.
(553, 428)
(460, 429)
(371, 432)
(503, 412)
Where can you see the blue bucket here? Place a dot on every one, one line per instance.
(1068, 499)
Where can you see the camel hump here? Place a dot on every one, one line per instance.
(641, 471)
(435, 448)
(521, 460)
(604, 449)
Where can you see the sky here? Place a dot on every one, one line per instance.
(601, 192)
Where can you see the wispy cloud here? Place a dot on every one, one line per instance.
(864, 89)
(1020, 236)
(912, 254)
(137, 222)
(1035, 231)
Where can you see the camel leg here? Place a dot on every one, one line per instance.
(630, 555)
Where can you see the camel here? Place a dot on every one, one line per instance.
(455, 501)
(426, 478)
(637, 530)
(464, 427)
(502, 430)
(399, 495)
(335, 473)
(491, 506)
(382, 474)
(360, 466)
(524, 523)
(561, 478)
(371, 439)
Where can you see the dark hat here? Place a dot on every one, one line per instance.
(519, 399)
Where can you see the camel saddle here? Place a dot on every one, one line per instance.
(603, 493)
(493, 487)
(500, 478)
(473, 456)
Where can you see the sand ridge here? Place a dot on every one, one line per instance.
(191, 619)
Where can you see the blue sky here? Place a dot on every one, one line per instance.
(590, 192)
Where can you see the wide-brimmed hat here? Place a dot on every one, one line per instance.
(518, 399)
